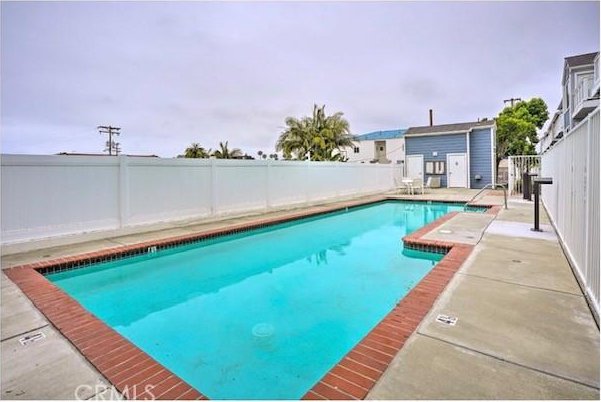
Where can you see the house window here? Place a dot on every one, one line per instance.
(435, 167)
(356, 150)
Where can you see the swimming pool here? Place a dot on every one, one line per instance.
(266, 313)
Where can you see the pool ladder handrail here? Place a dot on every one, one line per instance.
(492, 187)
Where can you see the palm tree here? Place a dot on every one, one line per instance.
(319, 137)
(225, 153)
(196, 151)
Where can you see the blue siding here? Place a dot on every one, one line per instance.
(480, 157)
(442, 144)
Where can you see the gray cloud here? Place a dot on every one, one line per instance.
(174, 73)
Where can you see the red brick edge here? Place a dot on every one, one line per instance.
(356, 374)
(134, 373)
(138, 376)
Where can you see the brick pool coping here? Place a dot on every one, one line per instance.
(138, 376)
(356, 374)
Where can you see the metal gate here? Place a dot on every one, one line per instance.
(518, 165)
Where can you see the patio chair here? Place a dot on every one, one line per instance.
(417, 184)
(428, 184)
(401, 184)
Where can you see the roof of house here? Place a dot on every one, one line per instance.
(581, 59)
(381, 135)
(449, 128)
(576, 61)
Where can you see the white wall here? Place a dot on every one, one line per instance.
(573, 199)
(47, 196)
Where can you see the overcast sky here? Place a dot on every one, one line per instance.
(171, 74)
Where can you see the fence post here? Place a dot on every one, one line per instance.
(213, 186)
(268, 184)
(510, 174)
(123, 191)
(587, 182)
(307, 167)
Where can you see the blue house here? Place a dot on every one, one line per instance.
(454, 155)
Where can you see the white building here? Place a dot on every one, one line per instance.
(580, 96)
(378, 147)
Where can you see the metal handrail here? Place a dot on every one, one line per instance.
(492, 187)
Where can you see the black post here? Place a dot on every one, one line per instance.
(536, 207)
(538, 181)
(526, 185)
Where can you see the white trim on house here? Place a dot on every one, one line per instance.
(435, 133)
(493, 159)
(467, 159)
(448, 132)
(464, 154)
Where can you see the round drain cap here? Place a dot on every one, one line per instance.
(263, 330)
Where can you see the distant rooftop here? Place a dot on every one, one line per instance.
(381, 135)
(581, 59)
(449, 128)
(91, 154)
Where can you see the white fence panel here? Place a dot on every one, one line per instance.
(240, 186)
(573, 199)
(288, 183)
(164, 189)
(44, 195)
(47, 196)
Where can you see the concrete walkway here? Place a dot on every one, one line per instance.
(49, 368)
(523, 330)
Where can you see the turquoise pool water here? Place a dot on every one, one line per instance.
(266, 313)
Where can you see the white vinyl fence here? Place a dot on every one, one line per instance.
(573, 199)
(46, 196)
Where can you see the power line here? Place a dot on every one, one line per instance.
(512, 100)
(110, 144)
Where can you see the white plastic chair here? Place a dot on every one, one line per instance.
(400, 185)
(417, 184)
(428, 184)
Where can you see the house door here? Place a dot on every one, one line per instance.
(415, 166)
(380, 151)
(457, 170)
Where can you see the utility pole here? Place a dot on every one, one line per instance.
(512, 100)
(110, 144)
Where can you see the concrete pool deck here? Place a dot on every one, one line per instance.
(523, 330)
(21, 364)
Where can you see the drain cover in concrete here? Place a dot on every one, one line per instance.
(446, 319)
(35, 337)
